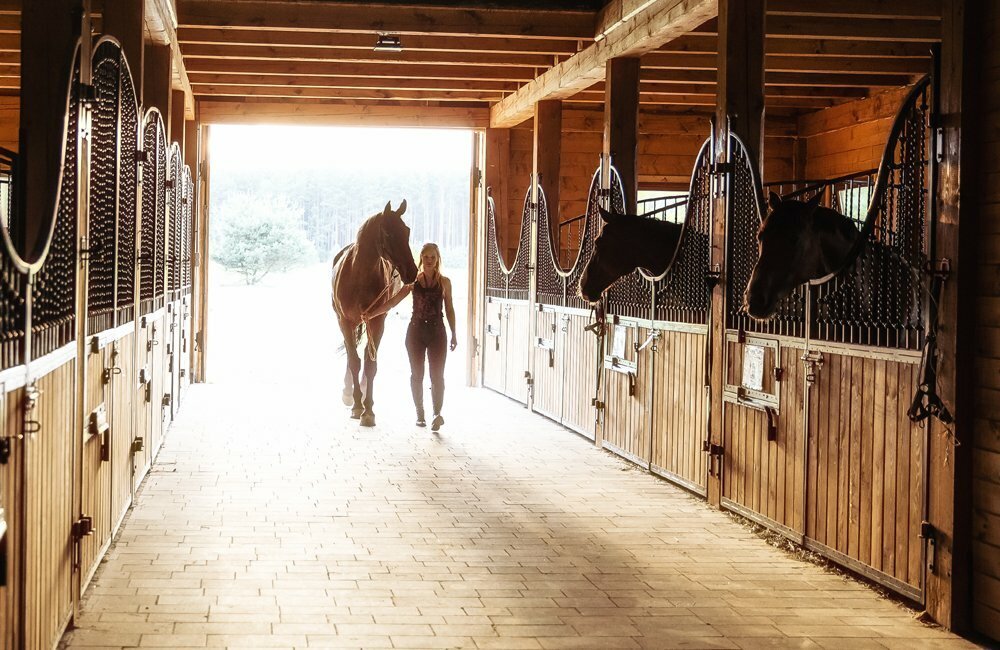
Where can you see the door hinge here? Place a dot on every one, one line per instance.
(597, 404)
(715, 454)
(138, 444)
(166, 399)
(528, 379)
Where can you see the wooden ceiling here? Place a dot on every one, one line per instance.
(474, 54)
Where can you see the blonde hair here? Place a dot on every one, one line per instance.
(437, 251)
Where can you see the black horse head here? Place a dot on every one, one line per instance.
(394, 242)
(798, 241)
(626, 243)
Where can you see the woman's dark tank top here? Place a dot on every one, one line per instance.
(427, 301)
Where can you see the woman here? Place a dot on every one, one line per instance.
(425, 337)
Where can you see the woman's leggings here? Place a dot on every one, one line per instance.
(427, 337)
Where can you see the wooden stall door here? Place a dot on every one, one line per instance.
(49, 510)
(184, 347)
(142, 440)
(494, 373)
(763, 470)
(123, 403)
(547, 366)
(517, 344)
(865, 491)
(579, 376)
(680, 403)
(627, 382)
(96, 488)
(11, 518)
(171, 384)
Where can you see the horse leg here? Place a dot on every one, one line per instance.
(353, 369)
(375, 328)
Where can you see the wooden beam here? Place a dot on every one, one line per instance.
(126, 20)
(157, 81)
(888, 9)
(177, 130)
(365, 41)
(199, 79)
(545, 159)
(928, 31)
(48, 38)
(204, 91)
(372, 18)
(340, 114)
(319, 68)
(707, 43)
(659, 22)
(778, 63)
(950, 453)
(740, 108)
(354, 55)
(161, 26)
(10, 109)
(621, 125)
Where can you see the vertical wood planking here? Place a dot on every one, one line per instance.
(13, 494)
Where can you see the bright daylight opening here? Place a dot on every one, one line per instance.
(284, 201)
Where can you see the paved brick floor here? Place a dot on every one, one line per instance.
(271, 520)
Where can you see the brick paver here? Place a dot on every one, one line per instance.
(271, 520)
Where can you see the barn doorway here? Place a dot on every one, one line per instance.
(283, 201)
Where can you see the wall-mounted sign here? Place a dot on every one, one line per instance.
(753, 367)
(618, 342)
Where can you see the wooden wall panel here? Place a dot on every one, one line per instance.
(12, 499)
(986, 422)
(48, 549)
(143, 459)
(10, 120)
(865, 465)
(850, 137)
(680, 408)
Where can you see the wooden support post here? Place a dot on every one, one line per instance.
(740, 105)
(621, 125)
(949, 479)
(126, 21)
(49, 33)
(157, 78)
(192, 153)
(498, 180)
(177, 130)
(199, 326)
(546, 159)
(476, 279)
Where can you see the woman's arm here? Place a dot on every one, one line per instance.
(449, 310)
(394, 300)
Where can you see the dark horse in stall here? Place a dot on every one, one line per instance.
(798, 241)
(363, 277)
(628, 242)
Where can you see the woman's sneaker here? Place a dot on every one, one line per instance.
(421, 422)
(436, 424)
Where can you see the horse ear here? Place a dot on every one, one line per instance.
(606, 216)
(813, 203)
(402, 208)
(773, 200)
(388, 207)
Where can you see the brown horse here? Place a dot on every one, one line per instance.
(798, 241)
(628, 242)
(363, 277)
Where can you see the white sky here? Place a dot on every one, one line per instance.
(249, 147)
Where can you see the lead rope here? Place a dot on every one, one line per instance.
(926, 401)
(370, 348)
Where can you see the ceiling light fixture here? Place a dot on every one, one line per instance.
(388, 43)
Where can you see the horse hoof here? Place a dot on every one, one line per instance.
(356, 414)
(367, 420)
(348, 399)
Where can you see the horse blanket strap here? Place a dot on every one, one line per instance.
(926, 401)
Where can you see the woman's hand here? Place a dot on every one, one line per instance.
(454, 342)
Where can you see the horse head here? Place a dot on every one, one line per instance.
(394, 243)
(798, 241)
(626, 243)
